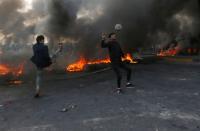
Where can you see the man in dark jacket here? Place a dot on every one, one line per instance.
(41, 59)
(116, 55)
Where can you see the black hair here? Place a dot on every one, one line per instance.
(39, 38)
(109, 36)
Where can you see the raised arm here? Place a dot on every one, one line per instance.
(104, 44)
(59, 50)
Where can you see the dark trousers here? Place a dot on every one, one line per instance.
(116, 67)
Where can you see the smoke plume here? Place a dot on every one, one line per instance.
(79, 23)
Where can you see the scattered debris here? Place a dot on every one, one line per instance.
(68, 108)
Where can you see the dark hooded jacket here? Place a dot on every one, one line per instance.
(115, 51)
(41, 56)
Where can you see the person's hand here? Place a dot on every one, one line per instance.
(103, 36)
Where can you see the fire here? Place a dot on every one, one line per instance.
(79, 65)
(129, 58)
(4, 70)
(15, 82)
(16, 71)
(170, 52)
(105, 61)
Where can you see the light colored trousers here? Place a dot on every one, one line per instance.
(40, 72)
(38, 79)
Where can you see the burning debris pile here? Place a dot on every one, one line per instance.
(188, 47)
(80, 65)
(172, 49)
(170, 52)
(8, 70)
(11, 74)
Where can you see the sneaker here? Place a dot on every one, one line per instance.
(130, 85)
(37, 95)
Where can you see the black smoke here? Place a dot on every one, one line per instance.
(144, 22)
(140, 19)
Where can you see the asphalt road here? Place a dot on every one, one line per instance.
(166, 98)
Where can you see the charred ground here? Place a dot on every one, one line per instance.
(166, 98)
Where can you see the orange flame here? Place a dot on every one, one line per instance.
(80, 65)
(15, 82)
(170, 52)
(129, 58)
(77, 66)
(17, 71)
(4, 70)
(105, 61)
